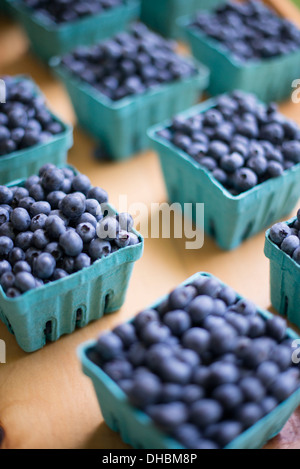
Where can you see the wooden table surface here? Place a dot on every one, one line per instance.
(45, 400)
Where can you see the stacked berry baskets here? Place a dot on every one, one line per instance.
(237, 156)
(30, 135)
(162, 15)
(54, 27)
(282, 247)
(250, 45)
(66, 255)
(120, 87)
(201, 369)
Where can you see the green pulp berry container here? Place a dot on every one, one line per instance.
(137, 429)
(284, 280)
(121, 126)
(60, 307)
(23, 163)
(48, 39)
(162, 15)
(229, 219)
(270, 79)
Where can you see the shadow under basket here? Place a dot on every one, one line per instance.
(138, 430)
(121, 126)
(60, 307)
(269, 79)
(162, 15)
(48, 39)
(285, 280)
(228, 219)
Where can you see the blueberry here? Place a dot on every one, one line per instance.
(81, 183)
(86, 231)
(258, 164)
(87, 218)
(7, 281)
(144, 318)
(268, 404)
(172, 370)
(279, 232)
(206, 445)
(245, 307)
(55, 227)
(192, 393)
(38, 222)
(196, 339)
(24, 282)
(21, 266)
(82, 262)
(154, 332)
(109, 346)
(257, 327)
(94, 208)
(127, 334)
(168, 416)
(291, 150)
(20, 219)
(208, 286)
(222, 373)
(133, 239)
(13, 293)
(71, 243)
(206, 412)
(59, 274)
(267, 372)
(178, 321)
(239, 322)
(248, 414)
(290, 244)
(274, 169)
(229, 396)
(5, 267)
(283, 357)
(200, 308)
(296, 255)
(187, 356)
(44, 266)
(123, 239)
(73, 206)
(181, 297)
(145, 391)
(6, 246)
(187, 434)
(245, 179)
(228, 295)
(40, 239)
(54, 198)
(37, 192)
(232, 162)
(99, 248)
(118, 369)
(276, 327)
(4, 215)
(39, 208)
(98, 194)
(252, 389)
(223, 340)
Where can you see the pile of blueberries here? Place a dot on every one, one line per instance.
(204, 365)
(241, 141)
(25, 120)
(287, 238)
(67, 11)
(249, 30)
(55, 225)
(130, 63)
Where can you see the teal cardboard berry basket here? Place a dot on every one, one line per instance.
(270, 79)
(121, 126)
(23, 163)
(284, 280)
(49, 39)
(228, 219)
(162, 15)
(59, 308)
(138, 430)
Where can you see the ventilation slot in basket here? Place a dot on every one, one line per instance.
(79, 317)
(48, 330)
(286, 306)
(212, 229)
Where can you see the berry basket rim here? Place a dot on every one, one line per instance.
(185, 24)
(202, 76)
(95, 372)
(181, 154)
(51, 27)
